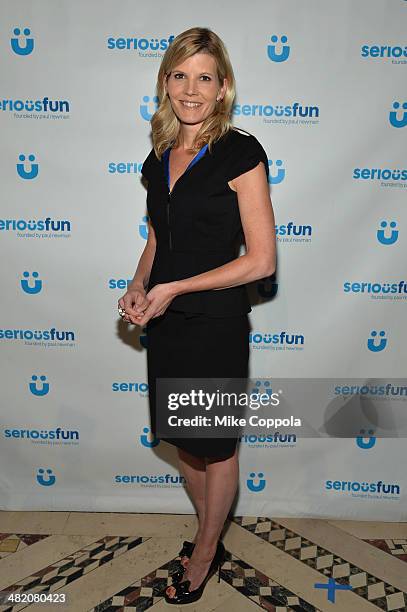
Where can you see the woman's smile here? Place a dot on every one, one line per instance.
(190, 105)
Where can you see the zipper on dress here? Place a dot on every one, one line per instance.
(168, 221)
(200, 154)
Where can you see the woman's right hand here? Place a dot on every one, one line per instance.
(134, 302)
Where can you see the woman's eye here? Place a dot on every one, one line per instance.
(179, 74)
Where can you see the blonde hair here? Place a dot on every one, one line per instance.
(165, 124)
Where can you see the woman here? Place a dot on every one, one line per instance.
(207, 188)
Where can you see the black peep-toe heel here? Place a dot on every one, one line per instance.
(186, 551)
(182, 593)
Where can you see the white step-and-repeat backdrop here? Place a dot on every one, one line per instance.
(322, 85)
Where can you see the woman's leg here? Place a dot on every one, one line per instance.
(193, 470)
(221, 485)
(222, 477)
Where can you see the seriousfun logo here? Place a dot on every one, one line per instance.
(36, 109)
(131, 387)
(296, 113)
(165, 481)
(118, 283)
(52, 437)
(47, 337)
(124, 167)
(378, 290)
(372, 391)
(282, 341)
(293, 233)
(397, 54)
(37, 228)
(147, 47)
(276, 440)
(386, 176)
(354, 488)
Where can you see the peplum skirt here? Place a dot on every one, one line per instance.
(195, 345)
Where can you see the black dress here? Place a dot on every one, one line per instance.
(204, 334)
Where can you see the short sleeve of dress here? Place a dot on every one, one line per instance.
(247, 152)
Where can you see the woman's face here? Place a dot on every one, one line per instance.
(193, 87)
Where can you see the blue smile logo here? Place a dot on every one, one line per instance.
(277, 178)
(144, 108)
(262, 387)
(35, 288)
(366, 441)
(15, 43)
(394, 234)
(149, 441)
(371, 342)
(143, 228)
(394, 119)
(256, 487)
(33, 386)
(273, 55)
(45, 477)
(27, 174)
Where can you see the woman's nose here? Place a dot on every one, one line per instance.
(190, 88)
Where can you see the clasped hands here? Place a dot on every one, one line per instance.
(141, 307)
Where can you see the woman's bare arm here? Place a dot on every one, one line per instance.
(142, 274)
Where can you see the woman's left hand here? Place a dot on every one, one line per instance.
(160, 297)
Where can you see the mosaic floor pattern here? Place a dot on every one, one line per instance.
(115, 562)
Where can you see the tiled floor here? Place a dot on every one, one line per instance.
(111, 561)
